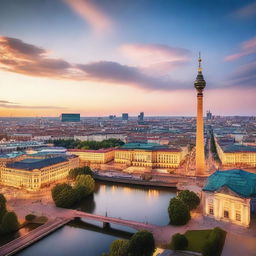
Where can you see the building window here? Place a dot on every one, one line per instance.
(238, 215)
(226, 214)
(211, 210)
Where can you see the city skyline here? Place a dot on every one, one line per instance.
(98, 58)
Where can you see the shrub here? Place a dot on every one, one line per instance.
(179, 242)
(215, 242)
(2, 207)
(9, 223)
(189, 198)
(30, 217)
(119, 248)
(178, 212)
(141, 244)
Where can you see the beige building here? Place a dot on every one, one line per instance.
(230, 196)
(148, 155)
(236, 154)
(32, 174)
(100, 156)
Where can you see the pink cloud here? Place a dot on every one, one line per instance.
(248, 47)
(246, 11)
(155, 57)
(91, 13)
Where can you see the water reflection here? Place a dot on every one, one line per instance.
(148, 205)
(129, 202)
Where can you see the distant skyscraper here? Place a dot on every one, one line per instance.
(208, 115)
(141, 117)
(125, 116)
(70, 117)
(111, 117)
(200, 85)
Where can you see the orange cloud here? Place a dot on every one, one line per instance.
(91, 13)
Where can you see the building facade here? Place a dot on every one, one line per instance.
(236, 154)
(100, 156)
(67, 117)
(32, 174)
(149, 155)
(230, 196)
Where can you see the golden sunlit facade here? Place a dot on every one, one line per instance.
(100, 156)
(34, 179)
(243, 158)
(147, 158)
(227, 207)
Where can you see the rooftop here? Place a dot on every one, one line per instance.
(30, 164)
(147, 146)
(235, 148)
(102, 150)
(241, 182)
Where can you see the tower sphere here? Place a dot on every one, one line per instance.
(200, 82)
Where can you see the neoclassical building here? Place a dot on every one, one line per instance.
(149, 155)
(236, 154)
(31, 174)
(230, 196)
(100, 156)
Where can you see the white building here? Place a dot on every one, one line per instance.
(230, 196)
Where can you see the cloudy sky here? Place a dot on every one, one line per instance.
(101, 57)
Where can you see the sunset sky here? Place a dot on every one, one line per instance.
(103, 57)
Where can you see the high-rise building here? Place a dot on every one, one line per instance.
(70, 117)
(141, 117)
(200, 85)
(208, 115)
(125, 116)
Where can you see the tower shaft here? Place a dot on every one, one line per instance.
(200, 159)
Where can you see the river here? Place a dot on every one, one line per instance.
(114, 200)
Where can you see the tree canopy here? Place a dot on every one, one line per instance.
(86, 182)
(9, 223)
(141, 244)
(2, 207)
(73, 173)
(64, 195)
(179, 213)
(109, 143)
(119, 248)
(189, 198)
(179, 242)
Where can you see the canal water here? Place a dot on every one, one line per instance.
(148, 205)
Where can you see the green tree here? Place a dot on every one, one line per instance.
(64, 195)
(179, 242)
(58, 188)
(86, 182)
(189, 198)
(2, 207)
(141, 244)
(119, 248)
(73, 173)
(9, 223)
(178, 212)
